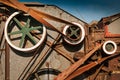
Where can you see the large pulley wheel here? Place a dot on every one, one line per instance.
(75, 33)
(24, 33)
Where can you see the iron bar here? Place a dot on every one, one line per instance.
(32, 60)
(97, 71)
(37, 77)
(40, 58)
(61, 52)
(7, 63)
(87, 67)
(74, 66)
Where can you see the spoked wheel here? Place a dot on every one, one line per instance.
(24, 33)
(74, 33)
(45, 74)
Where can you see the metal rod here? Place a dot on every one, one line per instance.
(84, 68)
(74, 66)
(37, 77)
(2, 49)
(40, 58)
(7, 63)
(97, 71)
(32, 60)
(61, 52)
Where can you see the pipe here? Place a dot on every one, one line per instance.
(7, 63)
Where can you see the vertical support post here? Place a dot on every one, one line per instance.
(7, 63)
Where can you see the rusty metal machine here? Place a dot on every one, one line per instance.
(39, 45)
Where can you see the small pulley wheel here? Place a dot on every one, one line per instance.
(24, 33)
(75, 33)
(109, 47)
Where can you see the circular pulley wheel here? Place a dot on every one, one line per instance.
(45, 74)
(109, 47)
(75, 33)
(24, 33)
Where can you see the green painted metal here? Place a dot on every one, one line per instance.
(25, 31)
(73, 31)
(109, 47)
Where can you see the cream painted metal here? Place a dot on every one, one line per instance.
(25, 31)
(109, 47)
(19, 59)
(75, 33)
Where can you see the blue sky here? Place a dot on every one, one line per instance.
(87, 10)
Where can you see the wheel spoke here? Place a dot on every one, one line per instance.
(71, 34)
(37, 36)
(35, 28)
(71, 29)
(77, 29)
(13, 33)
(76, 32)
(31, 37)
(18, 23)
(76, 35)
(22, 41)
(28, 23)
(37, 77)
